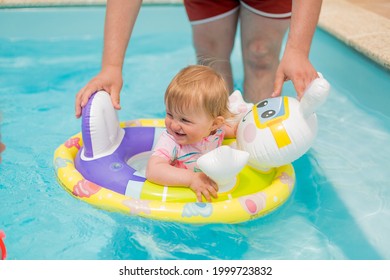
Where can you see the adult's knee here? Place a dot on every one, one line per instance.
(261, 55)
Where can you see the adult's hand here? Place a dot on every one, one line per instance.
(109, 80)
(120, 19)
(294, 66)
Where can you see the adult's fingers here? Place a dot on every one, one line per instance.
(300, 86)
(278, 84)
(78, 107)
(87, 94)
(302, 83)
(82, 98)
(115, 98)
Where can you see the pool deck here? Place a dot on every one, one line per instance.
(361, 24)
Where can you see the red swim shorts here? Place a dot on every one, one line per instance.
(201, 11)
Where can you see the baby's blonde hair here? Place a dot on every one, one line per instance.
(198, 87)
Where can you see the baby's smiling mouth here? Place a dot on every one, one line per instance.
(180, 134)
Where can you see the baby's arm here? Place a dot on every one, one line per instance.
(159, 171)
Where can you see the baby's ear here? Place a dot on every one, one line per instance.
(218, 122)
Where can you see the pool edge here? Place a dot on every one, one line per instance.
(361, 29)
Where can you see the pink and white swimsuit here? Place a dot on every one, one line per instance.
(185, 156)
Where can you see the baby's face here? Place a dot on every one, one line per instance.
(189, 127)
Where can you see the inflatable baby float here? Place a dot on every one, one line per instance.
(104, 165)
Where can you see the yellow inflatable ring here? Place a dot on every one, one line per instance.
(254, 195)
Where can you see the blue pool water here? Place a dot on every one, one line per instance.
(339, 210)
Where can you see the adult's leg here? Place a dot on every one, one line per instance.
(261, 39)
(214, 42)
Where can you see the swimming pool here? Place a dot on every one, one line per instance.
(339, 210)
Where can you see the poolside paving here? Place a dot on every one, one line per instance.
(362, 24)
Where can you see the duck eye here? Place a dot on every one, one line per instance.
(262, 104)
(268, 114)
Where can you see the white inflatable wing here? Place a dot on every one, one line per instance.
(222, 165)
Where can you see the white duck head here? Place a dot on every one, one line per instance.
(277, 131)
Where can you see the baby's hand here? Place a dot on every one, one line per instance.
(203, 185)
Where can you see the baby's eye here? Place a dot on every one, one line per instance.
(169, 115)
(185, 121)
